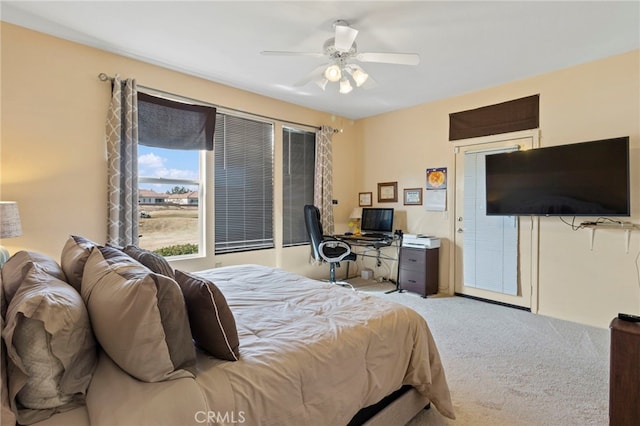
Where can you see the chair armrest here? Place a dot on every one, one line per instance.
(334, 243)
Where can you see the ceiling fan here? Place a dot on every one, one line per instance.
(341, 50)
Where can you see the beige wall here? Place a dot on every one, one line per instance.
(592, 101)
(53, 159)
(53, 154)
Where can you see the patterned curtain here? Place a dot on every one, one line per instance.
(323, 179)
(122, 158)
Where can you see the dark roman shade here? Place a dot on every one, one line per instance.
(505, 117)
(164, 123)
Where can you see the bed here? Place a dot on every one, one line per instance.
(309, 353)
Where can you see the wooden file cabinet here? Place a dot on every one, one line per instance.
(624, 379)
(418, 270)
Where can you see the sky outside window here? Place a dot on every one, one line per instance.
(168, 164)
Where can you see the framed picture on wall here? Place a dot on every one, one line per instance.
(388, 192)
(364, 199)
(413, 197)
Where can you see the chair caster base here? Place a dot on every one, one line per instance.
(343, 284)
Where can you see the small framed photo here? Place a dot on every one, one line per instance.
(388, 192)
(413, 197)
(364, 199)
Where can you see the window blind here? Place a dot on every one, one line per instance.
(243, 151)
(490, 259)
(164, 123)
(510, 116)
(298, 170)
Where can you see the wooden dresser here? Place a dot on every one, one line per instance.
(418, 270)
(624, 378)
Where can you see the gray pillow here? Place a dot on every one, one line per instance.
(15, 269)
(151, 260)
(212, 324)
(74, 256)
(139, 317)
(51, 351)
(6, 415)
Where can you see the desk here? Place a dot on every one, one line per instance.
(366, 245)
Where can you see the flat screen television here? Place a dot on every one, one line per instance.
(580, 179)
(376, 220)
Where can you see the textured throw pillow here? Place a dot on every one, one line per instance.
(151, 260)
(139, 317)
(15, 269)
(51, 351)
(32, 344)
(74, 256)
(212, 324)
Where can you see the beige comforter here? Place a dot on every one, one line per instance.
(310, 353)
(314, 353)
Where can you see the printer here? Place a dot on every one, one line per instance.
(420, 241)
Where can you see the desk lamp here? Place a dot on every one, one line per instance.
(10, 226)
(354, 220)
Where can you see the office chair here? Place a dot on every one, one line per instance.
(326, 247)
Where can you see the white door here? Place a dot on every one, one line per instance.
(494, 255)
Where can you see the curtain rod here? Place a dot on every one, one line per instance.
(104, 77)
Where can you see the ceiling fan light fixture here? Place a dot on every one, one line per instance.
(359, 76)
(345, 86)
(332, 73)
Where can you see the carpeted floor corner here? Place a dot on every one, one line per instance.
(506, 366)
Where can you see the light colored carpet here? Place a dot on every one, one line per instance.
(506, 366)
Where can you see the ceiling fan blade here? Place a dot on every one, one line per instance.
(344, 38)
(316, 74)
(285, 53)
(390, 58)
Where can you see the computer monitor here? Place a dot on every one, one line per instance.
(377, 220)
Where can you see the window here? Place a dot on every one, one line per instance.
(299, 154)
(169, 194)
(243, 151)
(172, 138)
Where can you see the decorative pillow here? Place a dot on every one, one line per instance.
(139, 317)
(51, 351)
(32, 345)
(15, 269)
(212, 323)
(151, 260)
(74, 257)
(7, 417)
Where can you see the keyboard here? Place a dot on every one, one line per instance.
(367, 237)
(375, 236)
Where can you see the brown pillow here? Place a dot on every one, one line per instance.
(212, 324)
(151, 260)
(74, 256)
(15, 269)
(51, 351)
(139, 317)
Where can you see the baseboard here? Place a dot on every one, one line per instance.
(495, 302)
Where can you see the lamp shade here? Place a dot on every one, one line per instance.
(332, 73)
(10, 225)
(356, 213)
(345, 86)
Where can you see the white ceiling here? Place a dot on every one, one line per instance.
(464, 46)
